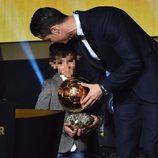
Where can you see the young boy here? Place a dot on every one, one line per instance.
(74, 143)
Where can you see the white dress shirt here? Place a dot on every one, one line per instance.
(85, 42)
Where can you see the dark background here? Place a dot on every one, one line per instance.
(19, 83)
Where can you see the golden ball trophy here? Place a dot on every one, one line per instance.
(70, 93)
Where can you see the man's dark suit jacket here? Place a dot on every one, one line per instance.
(124, 49)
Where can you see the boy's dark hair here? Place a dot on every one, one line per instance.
(60, 49)
(43, 19)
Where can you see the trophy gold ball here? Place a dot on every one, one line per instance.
(71, 92)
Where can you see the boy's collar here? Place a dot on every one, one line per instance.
(63, 77)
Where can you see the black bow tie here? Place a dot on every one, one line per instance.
(81, 37)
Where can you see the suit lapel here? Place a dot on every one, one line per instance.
(89, 38)
(83, 50)
(87, 32)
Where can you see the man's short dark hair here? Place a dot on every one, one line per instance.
(43, 19)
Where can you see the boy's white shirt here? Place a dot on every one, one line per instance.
(63, 77)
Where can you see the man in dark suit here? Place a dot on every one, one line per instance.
(112, 40)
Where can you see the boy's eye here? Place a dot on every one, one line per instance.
(70, 60)
(59, 62)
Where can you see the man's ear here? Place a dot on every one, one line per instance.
(54, 29)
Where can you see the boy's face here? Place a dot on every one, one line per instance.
(64, 65)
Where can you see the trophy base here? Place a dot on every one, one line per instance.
(79, 120)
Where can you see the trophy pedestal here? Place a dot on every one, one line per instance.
(79, 120)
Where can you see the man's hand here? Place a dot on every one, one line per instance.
(95, 93)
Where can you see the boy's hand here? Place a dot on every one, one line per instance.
(69, 131)
(95, 123)
(74, 132)
(86, 130)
